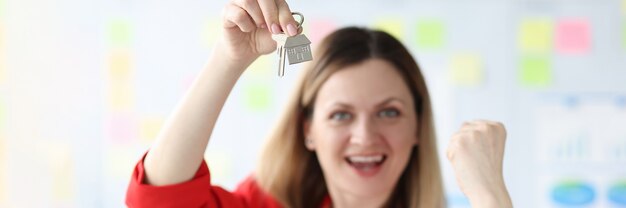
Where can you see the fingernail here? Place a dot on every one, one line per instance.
(291, 30)
(275, 28)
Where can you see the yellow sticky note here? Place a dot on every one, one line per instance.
(119, 162)
(121, 95)
(536, 36)
(221, 165)
(466, 70)
(258, 95)
(62, 170)
(120, 32)
(120, 64)
(3, 171)
(624, 35)
(265, 66)
(535, 71)
(392, 26)
(150, 127)
(430, 34)
(212, 31)
(624, 7)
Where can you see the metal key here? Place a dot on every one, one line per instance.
(280, 39)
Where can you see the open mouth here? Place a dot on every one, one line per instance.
(366, 165)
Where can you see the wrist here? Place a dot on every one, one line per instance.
(496, 198)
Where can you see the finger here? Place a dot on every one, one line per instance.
(270, 13)
(287, 22)
(237, 16)
(254, 11)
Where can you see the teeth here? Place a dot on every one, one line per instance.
(365, 159)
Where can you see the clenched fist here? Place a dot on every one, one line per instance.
(476, 152)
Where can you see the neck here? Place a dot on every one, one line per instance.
(344, 199)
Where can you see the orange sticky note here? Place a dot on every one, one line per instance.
(120, 64)
(121, 95)
(535, 35)
(573, 36)
(466, 69)
(393, 26)
(122, 127)
(319, 29)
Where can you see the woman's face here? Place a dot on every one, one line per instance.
(363, 128)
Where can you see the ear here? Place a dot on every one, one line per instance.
(310, 145)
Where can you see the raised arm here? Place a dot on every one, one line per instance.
(179, 148)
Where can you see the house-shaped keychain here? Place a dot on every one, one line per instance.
(298, 49)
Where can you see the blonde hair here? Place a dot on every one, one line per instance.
(292, 174)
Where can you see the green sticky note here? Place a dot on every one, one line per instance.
(257, 95)
(430, 34)
(120, 32)
(624, 35)
(535, 71)
(535, 36)
(392, 26)
(466, 70)
(212, 32)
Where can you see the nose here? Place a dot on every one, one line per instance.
(364, 132)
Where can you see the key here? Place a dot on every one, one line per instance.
(280, 39)
(298, 49)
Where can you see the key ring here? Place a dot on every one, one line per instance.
(301, 18)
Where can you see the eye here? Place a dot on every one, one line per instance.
(389, 113)
(340, 116)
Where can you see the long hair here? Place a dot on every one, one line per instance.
(292, 174)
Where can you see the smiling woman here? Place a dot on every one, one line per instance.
(357, 132)
(361, 109)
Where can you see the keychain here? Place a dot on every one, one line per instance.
(296, 48)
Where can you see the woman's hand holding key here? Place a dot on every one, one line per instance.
(248, 25)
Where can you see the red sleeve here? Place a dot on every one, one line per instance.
(196, 192)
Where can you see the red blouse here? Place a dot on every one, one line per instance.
(198, 192)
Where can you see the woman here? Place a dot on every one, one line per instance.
(358, 131)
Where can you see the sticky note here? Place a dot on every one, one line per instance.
(318, 29)
(61, 163)
(535, 71)
(212, 31)
(258, 95)
(220, 163)
(120, 32)
(624, 7)
(392, 26)
(573, 36)
(264, 66)
(122, 127)
(119, 161)
(120, 64)
(3, 171)
(466, 69)
(624, 35)
(535, 36)
(150, 127)
(430, 34)
(121, 95)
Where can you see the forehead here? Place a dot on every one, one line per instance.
(370, 81)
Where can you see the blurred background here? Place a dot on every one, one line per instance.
(85, 87)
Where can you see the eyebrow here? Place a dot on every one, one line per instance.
(384, 102)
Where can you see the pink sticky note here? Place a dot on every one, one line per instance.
(122, 127)
(573, 36)
(319, 29)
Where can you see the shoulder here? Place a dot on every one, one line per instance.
(254, 195)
